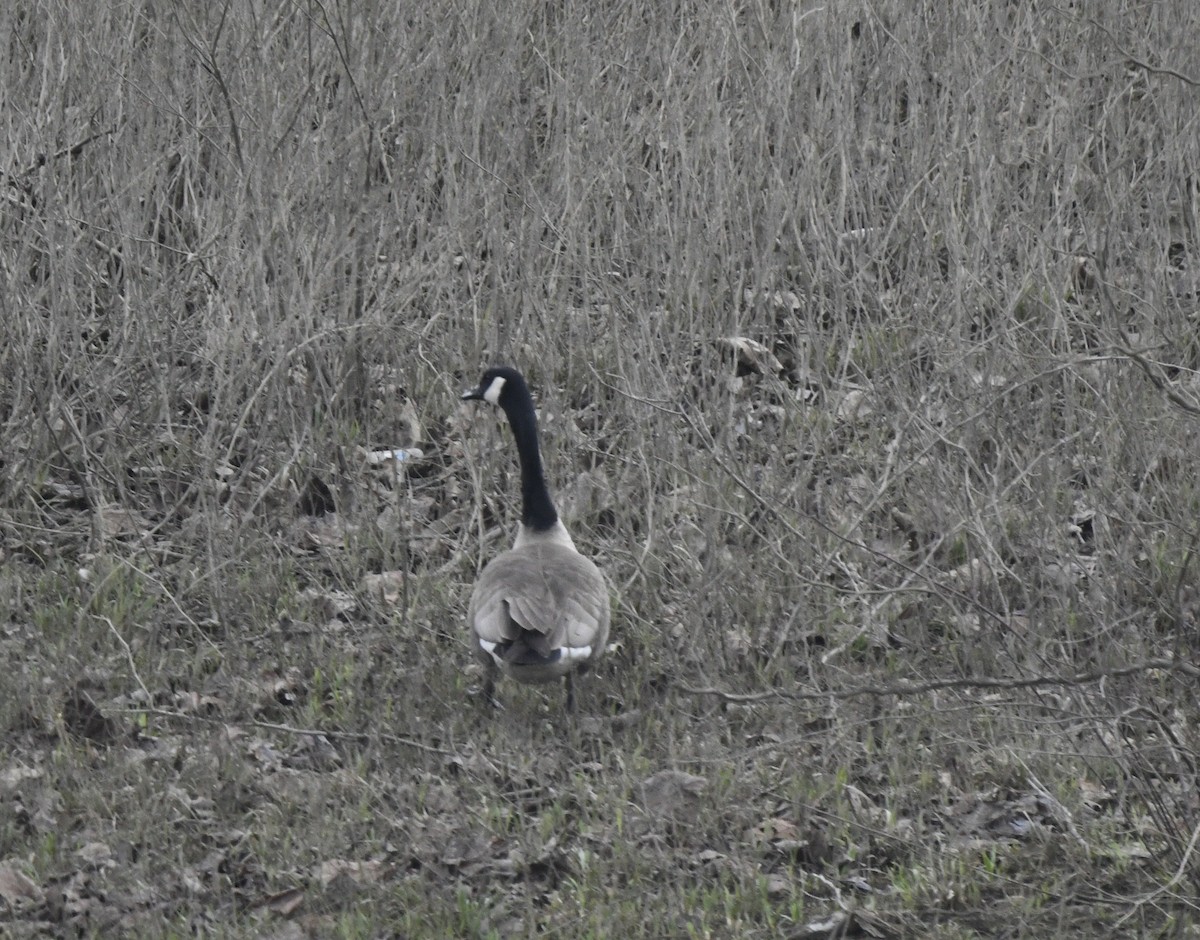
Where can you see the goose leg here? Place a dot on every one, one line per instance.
(489, 687)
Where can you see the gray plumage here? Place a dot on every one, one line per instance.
(540, 610)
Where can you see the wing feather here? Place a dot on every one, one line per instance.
(548, 589)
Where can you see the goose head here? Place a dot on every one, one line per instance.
(502, 387)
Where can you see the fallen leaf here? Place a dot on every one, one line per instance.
(671, 793)
(12, 777)
(283, 903)
(778, 885)
(114, 521)
(15, 886)
(327, 531)
(751, 355)
(367, 872)
(388, 586)
(771, 830)
(95, 855)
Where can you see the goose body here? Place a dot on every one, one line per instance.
(540, 610)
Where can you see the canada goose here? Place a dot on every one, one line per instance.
(540, 609)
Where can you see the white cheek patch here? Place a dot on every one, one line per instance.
(492, 395)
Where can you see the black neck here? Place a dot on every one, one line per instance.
(537, 509)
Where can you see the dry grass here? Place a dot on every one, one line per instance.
(906, 614)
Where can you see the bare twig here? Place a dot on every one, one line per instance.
(1141, 63)
(128, 653)
(1160, 382)
(299, 732)
(73, 150)
(935, 685)
(1178, 876)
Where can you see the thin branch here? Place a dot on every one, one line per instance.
(128, 653)
(1142, 64)
(301, 732)
(1159, 381)
(1180, 872)
(935, 685)
(73, 150)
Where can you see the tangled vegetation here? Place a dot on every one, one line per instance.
(865, 342)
